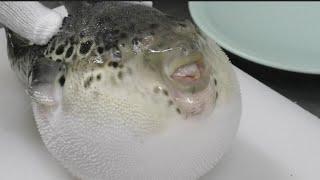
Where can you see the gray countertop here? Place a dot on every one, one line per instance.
(303, 89)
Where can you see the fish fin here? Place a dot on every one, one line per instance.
(43, 83)
(41, 94)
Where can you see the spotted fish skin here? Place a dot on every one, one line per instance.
(124, 91)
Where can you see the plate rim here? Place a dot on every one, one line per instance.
(262, 61)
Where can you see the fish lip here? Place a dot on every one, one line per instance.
(193, 83)
(189, 79)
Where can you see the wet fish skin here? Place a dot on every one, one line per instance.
(124, 91)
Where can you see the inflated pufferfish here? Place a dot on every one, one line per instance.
(124, 91)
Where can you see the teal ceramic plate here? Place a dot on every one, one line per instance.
(283, 35)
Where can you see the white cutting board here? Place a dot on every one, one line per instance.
(277, 139)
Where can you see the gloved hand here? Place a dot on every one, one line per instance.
(34, 21)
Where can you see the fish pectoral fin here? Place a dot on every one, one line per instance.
(42, 94)
(43, 84)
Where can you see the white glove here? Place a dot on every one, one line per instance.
(34, 21)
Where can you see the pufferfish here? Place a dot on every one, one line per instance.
(124, 91)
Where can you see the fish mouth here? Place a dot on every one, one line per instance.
(189, 73)
(191, 86)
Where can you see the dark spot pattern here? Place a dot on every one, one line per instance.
(215, 81)
(85, 47)
(53, 44)
(135, 41)
(100, 50)
(182, 25)
(178, 111)
(59, 60)
(60, 50)
(165, 92)
(113, 64)
(170, 102)
(63, 22)
(99, 77)
(88, 82)
(62, 80)
(69, 52)
(120, 75)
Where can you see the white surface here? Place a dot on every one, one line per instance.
(277, 139)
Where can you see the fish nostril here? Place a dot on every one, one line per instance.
(62, 80)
